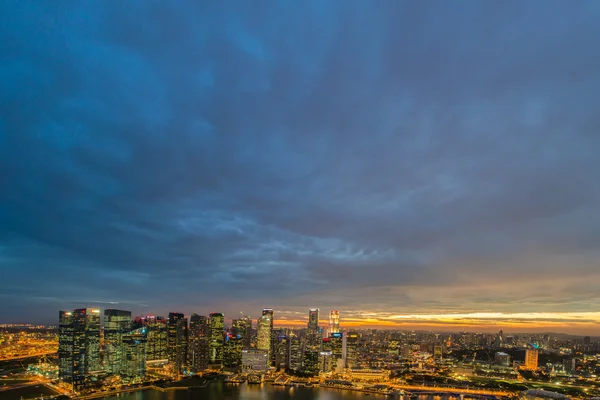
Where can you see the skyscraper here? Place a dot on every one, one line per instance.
(334, 322)
(263, 332)
(281, 348)
(217, 325)
(272, 354)
(198, 342)
(313, 319)
(352, 339)
(116, 324)
(295, 353)
(232, 353)
(243, 327)
(177, 341)
(133, 355)
(314, 336)
(336, 345)
(65, 345)
(157, 332)
(86, 345)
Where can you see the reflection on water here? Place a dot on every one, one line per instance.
(223, 391)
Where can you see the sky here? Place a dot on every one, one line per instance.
(424, 164)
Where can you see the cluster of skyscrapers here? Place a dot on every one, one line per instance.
(127, 344)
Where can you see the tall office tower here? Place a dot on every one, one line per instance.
(157, 332)
(272, 354)
(334, 322)
(215, 347)
(232, 353)
(326, 361)
(295, 353)
(198, 343)
(243, 327)
(314, 336)
(269, 313)
(352, 341)
(86, 345)
(313, 319)
(133, 355)
(281, 350)
(531, 359)
(177, 341)
(263, 333)
(336, 343)
(65, 346)
(310, 362)
(116, 324)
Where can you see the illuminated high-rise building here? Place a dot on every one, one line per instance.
(232, 353)
(268, 312)
(177, 341)
(281, 349)
(198, 343)
(65, 346)
(133, 355)
(157, 332)
(217, 325)
(314, 335)
(336, 341)
(313, 319)
(86, 346)
(263, 333)
(352, 345)
(326, 361)
(272, 354)
(295, 353)
(116, 324)
(310, 362)
(334, 322)
(243, 327)
(531, 359)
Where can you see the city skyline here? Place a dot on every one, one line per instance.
(582, 324)
(412, 166)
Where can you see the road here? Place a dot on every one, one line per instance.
(45, 353)
(452, 390)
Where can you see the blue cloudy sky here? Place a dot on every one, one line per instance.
(394, 160)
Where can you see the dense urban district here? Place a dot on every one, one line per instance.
(94, 354)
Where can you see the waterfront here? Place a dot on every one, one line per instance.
(219, 390)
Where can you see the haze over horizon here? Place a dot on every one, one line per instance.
(407, 163)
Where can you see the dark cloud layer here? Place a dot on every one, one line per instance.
(392, 156)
